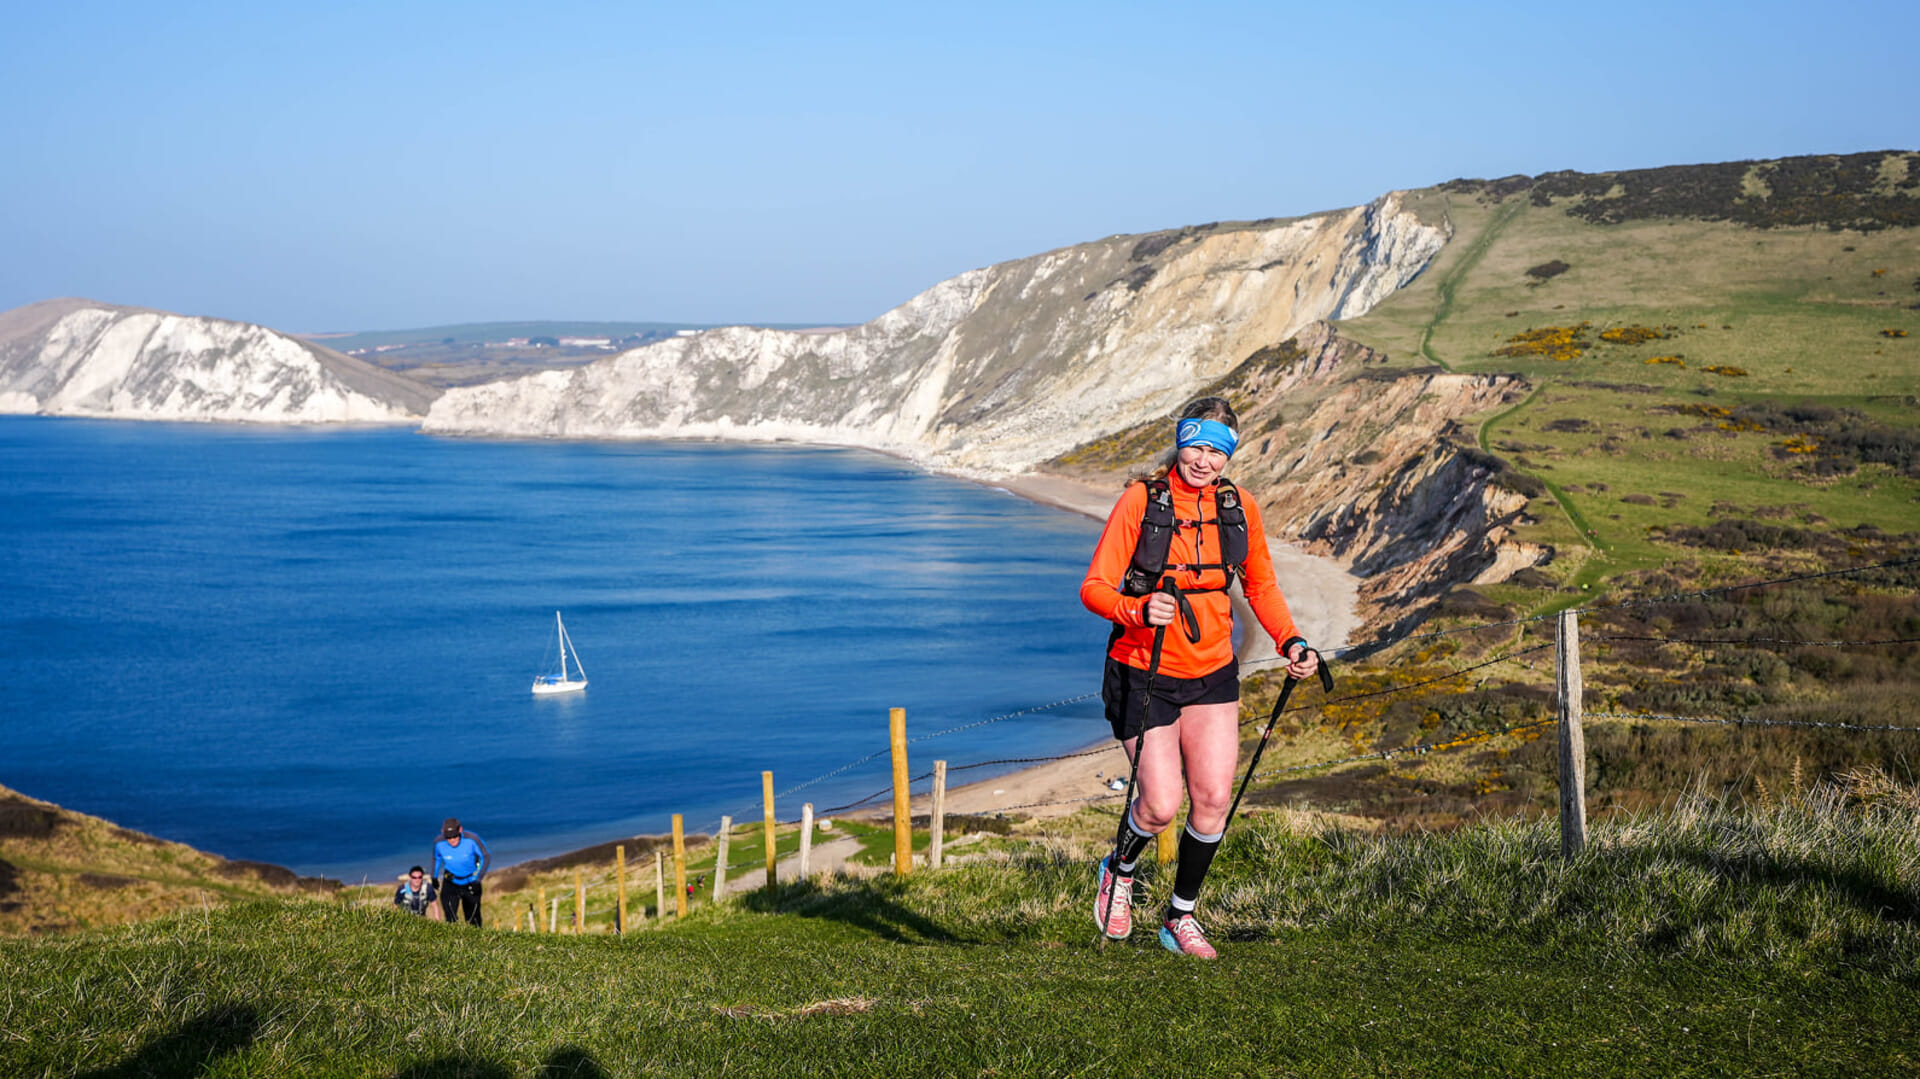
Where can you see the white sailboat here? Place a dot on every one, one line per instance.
(560, 683)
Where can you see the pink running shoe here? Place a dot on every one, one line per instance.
(1119, 921)
(1183, 936)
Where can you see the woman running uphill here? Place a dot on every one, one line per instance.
(1171, 547)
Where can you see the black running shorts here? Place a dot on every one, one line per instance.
(1122, 688)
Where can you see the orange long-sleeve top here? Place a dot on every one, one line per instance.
(1195, 540)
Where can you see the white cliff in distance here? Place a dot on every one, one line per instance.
(996, 369)
(81, 358)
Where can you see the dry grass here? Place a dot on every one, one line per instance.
(61, 871)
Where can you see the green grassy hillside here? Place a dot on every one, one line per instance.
(1706, 942)
(1689, 365)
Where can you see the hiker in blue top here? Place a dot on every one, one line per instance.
(459, 860)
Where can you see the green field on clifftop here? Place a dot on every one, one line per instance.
(1686, 369)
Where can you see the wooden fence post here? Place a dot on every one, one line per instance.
(533, 919)
(553, 915)
(720, 858)
(1166, 845)
(766, 795)
(620, 874)
(579, 903)
(542, 893)
(659, 886)
(1573, 740)
(679, 866)
(806, 840)
(937, 815)
(902, 807)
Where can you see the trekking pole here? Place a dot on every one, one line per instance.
(1133, 773)
(1280, 705)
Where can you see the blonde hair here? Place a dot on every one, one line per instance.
(1200, 408)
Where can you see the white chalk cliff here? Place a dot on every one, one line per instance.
(996, 369)
(80, 358)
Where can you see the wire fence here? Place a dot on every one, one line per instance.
(1477, 737)
(1567, 640)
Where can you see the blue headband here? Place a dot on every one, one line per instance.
(1206, 433)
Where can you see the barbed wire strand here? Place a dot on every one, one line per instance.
(1474, 738)
(1061, 703)
(875, 755)
(1676, 597)
(1673, 597)
(1748, 640)
(1460, 673)
(1750, 721)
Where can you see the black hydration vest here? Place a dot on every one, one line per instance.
(1157, 526)
(1150, 550)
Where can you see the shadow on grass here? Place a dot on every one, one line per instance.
(191, 1048)
(862, 904)
(1865, 891)
(572, 1062)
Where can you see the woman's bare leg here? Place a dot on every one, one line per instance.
(1210, 749)
(1161, 786)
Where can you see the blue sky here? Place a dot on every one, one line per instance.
(352, 166)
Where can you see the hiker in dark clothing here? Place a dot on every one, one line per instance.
(416, 893)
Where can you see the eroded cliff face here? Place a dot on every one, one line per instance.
(993, 370)
(1363, 462)
(79, 358)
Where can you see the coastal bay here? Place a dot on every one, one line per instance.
(308, 646)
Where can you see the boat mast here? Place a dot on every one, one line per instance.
(566, 645)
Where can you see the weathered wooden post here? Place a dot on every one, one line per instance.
(1573, 739)
(553, 915)
(1166, 845)
(542, 893)
(679, 866)
(659, 886)
(620, 874)
(720, 858)
(766, 796)
(806, 840)
(533, 919)
(902, 807)
(579, 902)
(937, 815)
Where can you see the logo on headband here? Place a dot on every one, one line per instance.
(1206, 433)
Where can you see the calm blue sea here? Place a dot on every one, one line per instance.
(309, 646)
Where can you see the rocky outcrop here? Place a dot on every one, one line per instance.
(80, 358)
(993, 370)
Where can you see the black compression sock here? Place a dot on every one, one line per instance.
(1132, 841)
(1196, 857)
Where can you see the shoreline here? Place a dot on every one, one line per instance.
(1321, 593)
